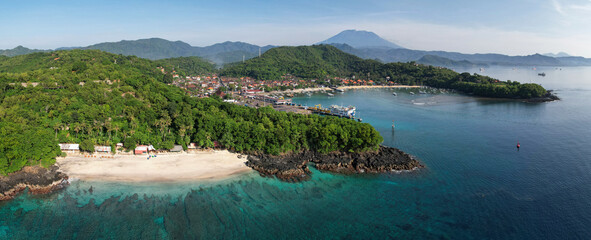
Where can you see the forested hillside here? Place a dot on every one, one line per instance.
(325, 61)
(93, 97)
(187, 65)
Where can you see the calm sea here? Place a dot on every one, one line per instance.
(476, 184)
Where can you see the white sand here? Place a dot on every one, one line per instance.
(342, 87)
(164, 167)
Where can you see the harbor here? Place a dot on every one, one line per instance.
(280, 103)
(335, 110)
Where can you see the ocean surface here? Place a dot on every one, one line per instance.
(476, 185)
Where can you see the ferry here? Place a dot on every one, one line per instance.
(342, 111)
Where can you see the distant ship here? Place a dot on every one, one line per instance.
(542, 74)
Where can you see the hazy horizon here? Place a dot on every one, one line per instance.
(507, 27)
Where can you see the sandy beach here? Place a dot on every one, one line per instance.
(163, 167)
(341, 87)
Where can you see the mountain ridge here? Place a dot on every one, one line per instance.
(229, 52)
(360, 39)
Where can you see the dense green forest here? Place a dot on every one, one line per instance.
(324, 62)
(93, 97)
(187, 66)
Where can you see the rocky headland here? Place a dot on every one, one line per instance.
(548, 97)
(293, 166)
(39, 180)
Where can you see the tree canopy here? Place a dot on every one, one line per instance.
(92, 97)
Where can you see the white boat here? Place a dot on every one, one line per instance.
(330, 94)
(412, 93)
(342, 111)
(394, 93)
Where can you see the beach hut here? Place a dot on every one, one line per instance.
(177, 148)
(141, 149)
(103, 149)
(69, 147)
(151, 148)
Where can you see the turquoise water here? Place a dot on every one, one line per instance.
(476, 184)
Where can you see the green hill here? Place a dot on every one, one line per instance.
(158, 48)
(20, 50)
(435, 60)
(188, 65)
(152, 48)
(93, 97)
(318, 61)
(324, 62)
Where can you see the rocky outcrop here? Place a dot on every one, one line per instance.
(287, 167)
(39, 180)
(549, 97)
(293, 166)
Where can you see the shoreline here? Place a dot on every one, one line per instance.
(293, 167)
(317, 89)
(197, 166)
(548, 97)
(37, 179)
(175, 167)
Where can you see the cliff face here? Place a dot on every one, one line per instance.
(39, 180)
(292, 167)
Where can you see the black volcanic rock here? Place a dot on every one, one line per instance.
(548, 97)
(292, 167)
(39, 180)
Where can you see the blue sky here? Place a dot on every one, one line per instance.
(517, 27)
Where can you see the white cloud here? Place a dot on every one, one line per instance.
(557, 6)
